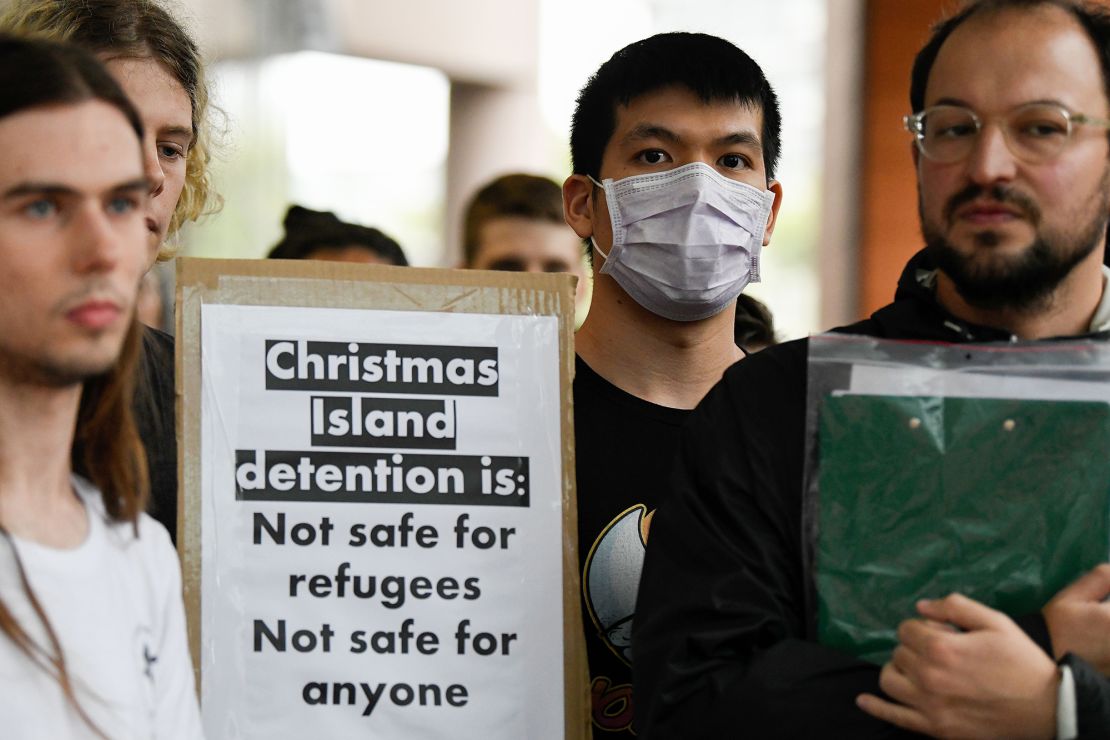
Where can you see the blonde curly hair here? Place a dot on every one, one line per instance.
(140, 29)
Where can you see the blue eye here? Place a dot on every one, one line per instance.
(121, 205)
(41, 208)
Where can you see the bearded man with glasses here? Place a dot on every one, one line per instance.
(1003, 219)
(1011, 102)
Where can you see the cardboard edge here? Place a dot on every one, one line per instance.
(576, 674)
(201, 281)
(186, 370)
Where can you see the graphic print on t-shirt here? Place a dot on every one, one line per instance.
(611, 577)
(610, 580)
(141, 645)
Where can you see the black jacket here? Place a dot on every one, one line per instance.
(723, 644)
(155, 418)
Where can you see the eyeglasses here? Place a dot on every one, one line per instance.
(1035, 132)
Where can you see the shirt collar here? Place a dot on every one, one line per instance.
(1101, 320)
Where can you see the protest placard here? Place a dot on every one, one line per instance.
(377, 510)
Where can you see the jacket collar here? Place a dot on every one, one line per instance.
(916, 314)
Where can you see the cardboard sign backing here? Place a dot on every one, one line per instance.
(377, 514)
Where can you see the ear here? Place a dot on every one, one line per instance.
(578, 205)
(772, 218)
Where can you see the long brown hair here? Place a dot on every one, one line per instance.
(106, 441)
(136, 29)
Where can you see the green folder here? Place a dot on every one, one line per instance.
(1005, 501)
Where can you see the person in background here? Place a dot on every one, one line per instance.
(515, 223)
(154, 59)
(320, 235)
(755, 326)
(150, 309)
(92, 626)
(665, 125)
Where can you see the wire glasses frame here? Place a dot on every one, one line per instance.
(1035, 132)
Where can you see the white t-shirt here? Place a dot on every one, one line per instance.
(114, 603)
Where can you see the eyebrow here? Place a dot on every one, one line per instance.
(745, 138)
(186, 131)
(965, 104)
(654, 131)
(48, 188)
(35, 188)
(651, 131)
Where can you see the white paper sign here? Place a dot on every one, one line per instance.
(381, 524)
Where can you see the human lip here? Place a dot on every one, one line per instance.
(95, 313)
(988, 212)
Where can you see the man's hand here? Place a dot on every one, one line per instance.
(1079, 621)
(990, 680)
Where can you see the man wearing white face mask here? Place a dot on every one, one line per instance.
(674, 143)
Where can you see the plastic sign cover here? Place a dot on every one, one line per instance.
(937, 468)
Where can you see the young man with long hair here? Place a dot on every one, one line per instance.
(157, 63)
(92, 633)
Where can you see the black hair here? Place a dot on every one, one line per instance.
(755, 325)
(711, 68)
(35, 73)
(307, 230)
(1094, 20)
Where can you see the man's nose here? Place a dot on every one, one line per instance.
(152, 168)
(97, 244)
(991, 160)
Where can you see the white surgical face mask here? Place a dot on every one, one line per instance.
(686, 242)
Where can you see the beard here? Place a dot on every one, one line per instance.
(1025, 282)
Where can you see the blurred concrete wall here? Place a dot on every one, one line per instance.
(488, 49)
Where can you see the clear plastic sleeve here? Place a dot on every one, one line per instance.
(934, 468)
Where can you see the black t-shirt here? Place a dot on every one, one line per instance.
(155, 418)
(624, 448)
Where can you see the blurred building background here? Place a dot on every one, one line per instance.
(391, 114)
